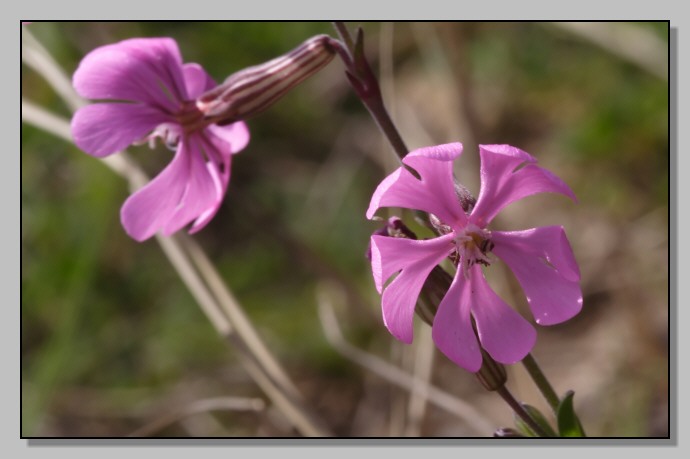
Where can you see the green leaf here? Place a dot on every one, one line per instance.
(568, 423)
(523, 428)
(539, 418)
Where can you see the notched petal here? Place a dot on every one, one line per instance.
(545, 267)
(413, 260)
(509, 174)
(434, 193)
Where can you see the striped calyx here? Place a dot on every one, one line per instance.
(250, 91)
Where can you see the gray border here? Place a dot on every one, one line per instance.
(673, 235)
(315, 442)
(673, 441)
(299, 9)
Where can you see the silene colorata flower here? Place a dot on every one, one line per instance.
(146, 93)
(471, 314)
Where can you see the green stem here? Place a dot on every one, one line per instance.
(542, 383)
(520, 411)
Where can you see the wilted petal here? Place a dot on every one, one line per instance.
(452, 329)
(140, 69)
(544, 264)
(103, 129)
(151, 208)
(504, 333)
(435, 193)
(507, 175)
(414, 259)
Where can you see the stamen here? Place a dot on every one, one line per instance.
(169, 133)
(472, 246)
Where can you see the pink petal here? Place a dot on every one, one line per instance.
(414, 259)
(452, 329)
(504, 181)
(504, 333)
(103, 129)
(180, 193)
(220, 183)
(435, 193)
(145, 70)
(392, 254)
(203, 194)
(219, 143)
(235, 135)
(196, 80)
(544, 264)
(398, 303)
(219, 153)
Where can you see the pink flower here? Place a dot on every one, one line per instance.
(149, 93)
(540, 258)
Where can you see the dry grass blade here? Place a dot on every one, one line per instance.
(629, 42)
(197, 407)
(394, 375)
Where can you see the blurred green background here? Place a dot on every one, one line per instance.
(112, 340)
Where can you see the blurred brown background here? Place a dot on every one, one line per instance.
(113, 343)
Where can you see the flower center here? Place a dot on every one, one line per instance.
(187, 120)
(472, 245)
(191, 118)
(169, 133)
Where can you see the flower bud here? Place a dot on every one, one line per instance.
(434, 289)
(492, 374)
(507, 432)
(252, 90)
(394, 227)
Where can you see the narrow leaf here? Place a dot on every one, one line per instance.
(524, 428)
(568, 423)
(539, 419)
